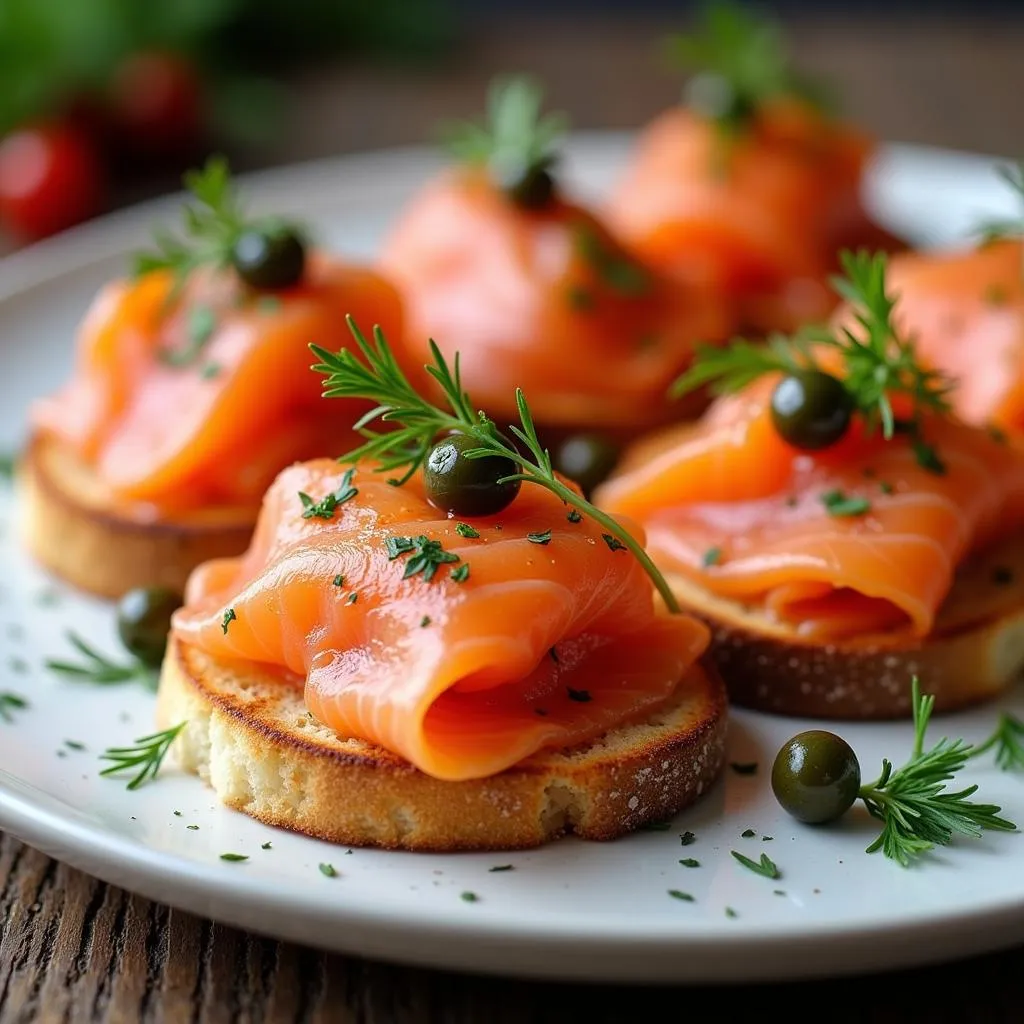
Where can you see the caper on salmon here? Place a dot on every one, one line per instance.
(269, 257)
(816, 776)
(811, 409)
(586, 459)
(468, 487)
(144, 620)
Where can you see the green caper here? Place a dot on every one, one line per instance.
(811, 409)
(586, 459)
(816, 776)
(529, 185)
(468, 487)
(270, 257)
(144, 620)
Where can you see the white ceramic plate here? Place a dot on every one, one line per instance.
(572, 910)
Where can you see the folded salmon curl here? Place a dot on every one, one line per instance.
(191, 388)
(860, 537)
(751, 185)
(494, 260)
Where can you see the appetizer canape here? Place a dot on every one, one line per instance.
(749, 185)
(835, 524)
(964, 308)
(190, 391)
(460, 652)
(494, 261)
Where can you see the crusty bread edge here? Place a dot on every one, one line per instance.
(94, 549)
(767, 667)
(250, 738)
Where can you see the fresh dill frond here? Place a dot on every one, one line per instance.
(147, 755)
(99, 670)
(1008, 742)
(370, 371)
(912, 802)
(1001, 228)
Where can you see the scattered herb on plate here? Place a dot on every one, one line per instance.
(1008, 742)
(765, 866)
(98, 669)
(9, 703)
(147, 755)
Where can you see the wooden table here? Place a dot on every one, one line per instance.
(74, 949)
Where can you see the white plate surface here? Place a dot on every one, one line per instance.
(572, 910)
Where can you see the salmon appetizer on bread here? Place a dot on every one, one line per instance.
(190, 391)
(835, 524)
(751, 185)
(435, 653)
(494, 261)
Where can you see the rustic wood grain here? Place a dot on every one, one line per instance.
(74, 950)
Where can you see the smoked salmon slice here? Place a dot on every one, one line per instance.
(858, 538)
(462, 648)
(182, 403)
(965, 311)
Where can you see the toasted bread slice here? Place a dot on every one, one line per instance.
(70, 525)
(975, 651)
(250, 737)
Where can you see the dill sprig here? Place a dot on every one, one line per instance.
(212, 225)
(916, 811)
(1008, 742)
(147, 755)
(515, 134)
(1001, 228)
(417, 422)
(740, 61)
(98, 669)
(878, 360)
(9, 703)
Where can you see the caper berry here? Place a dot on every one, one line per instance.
(269, 257)
(816, 776)
(468, 487)
(811, 409)
(586, 459)
(529, 185)
(144, 620)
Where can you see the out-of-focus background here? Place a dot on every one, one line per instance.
(106, 102)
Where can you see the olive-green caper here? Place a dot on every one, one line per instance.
(269, 257)
(811, 409)
(144, 620)
(468, 487)
(586, 459)
(816, 776)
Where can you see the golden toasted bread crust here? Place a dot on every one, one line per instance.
(70, 528)
(250, 737)
(975, 651)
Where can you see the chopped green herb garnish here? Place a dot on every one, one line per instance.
(424, 622)
(744, 767)
(656, 826)
(98, 669)
(678, 894)
(1008, 741)
(747, 833)
(177, 814)
(78, 745)
(229, 617)
(927, 457)
(324, 508)
(711, 557)
(886, 488)
(998, 434)
(328, 871)
(210, 371)
(614, 544)
(461, 574)
(839, 505)
(192, 828)
(11, 702)
(580, 696)
(778, 892)
(767, 839)
(612, 264)
(465, 530)
(765, 866)
(7, 461)
(234, 858)
(687, 839)
(147, 755)
(426, 555)
(339, 580)
(352, 598)
(574, 516)
(468, 897)
(690, 862)
(501, 867)
(540, 537)
(729, 912)
(265, 846)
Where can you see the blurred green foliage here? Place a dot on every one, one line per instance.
(52, 51)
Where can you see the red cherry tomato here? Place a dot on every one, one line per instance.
(51, 178)
(155, 104)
